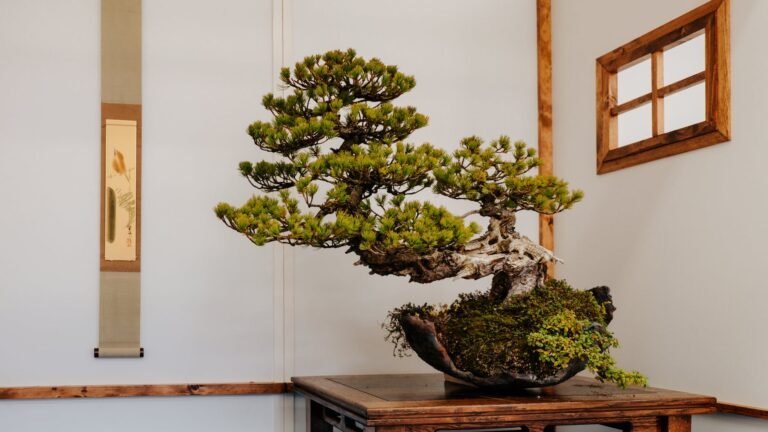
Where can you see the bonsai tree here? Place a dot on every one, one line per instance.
(346, 177)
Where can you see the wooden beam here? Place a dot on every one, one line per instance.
(682, 140)
(682, 84)
(631, 104)
(677, 31)
(743, 410)
(101, 391)
(544, 67)
(662, 92)
(682, 134)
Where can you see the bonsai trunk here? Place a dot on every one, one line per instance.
(517, 263)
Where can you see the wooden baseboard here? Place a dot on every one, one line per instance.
(743, 410)
(101, 391)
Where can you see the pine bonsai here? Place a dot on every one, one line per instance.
(346, 178)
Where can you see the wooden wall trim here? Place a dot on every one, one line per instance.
(212, 389)
(544, 72)
(101, 391)
(742, 410)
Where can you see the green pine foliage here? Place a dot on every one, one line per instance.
(484, 174)
(345, 174)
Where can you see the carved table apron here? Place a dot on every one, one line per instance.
(427, 403)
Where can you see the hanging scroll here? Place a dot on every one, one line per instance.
(120, 264)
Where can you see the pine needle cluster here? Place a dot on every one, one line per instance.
(346, 175)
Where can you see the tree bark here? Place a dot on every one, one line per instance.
(519, 262)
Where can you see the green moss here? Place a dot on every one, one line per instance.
(537, 332)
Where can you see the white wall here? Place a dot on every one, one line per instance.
(680, 240)
(207, 300)
(207, 294)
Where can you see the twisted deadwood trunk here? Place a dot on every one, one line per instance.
(422, 336)
(517, 263)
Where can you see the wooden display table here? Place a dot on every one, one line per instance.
(427, 403)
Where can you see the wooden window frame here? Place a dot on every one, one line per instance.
(713, 20)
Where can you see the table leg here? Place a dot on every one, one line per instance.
(679, 423)
(315, 420)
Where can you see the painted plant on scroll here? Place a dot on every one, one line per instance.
(347, 178)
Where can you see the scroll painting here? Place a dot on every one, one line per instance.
(120, 191)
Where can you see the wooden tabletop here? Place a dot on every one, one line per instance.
(428, 398)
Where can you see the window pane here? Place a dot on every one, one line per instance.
(634, 125)
(685, 107)
(684, 60)
(634, 81)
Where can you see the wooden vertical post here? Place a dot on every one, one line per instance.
(544, 67)
(657, 101)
